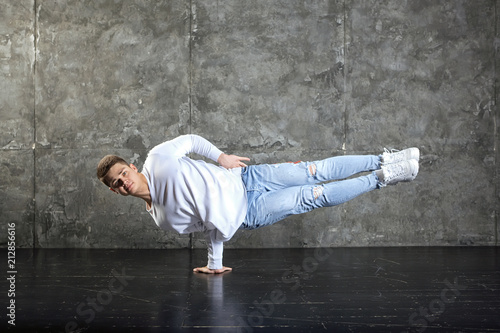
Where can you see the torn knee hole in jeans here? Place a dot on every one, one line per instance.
(312, 169)
(317, 192)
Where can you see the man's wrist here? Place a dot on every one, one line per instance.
(214, 263)
(220, 157)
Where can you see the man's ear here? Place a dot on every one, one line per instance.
(133, 167)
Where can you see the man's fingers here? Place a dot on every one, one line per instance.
(204, 270)
(207, 270)
(240, 159)
(223, 269)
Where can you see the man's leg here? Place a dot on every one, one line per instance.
(269, 177)
(266, 208)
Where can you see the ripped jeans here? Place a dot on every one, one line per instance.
(275, 191)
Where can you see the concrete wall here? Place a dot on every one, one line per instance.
(273, 80)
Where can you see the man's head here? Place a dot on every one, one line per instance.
(106, 163)
(121, 177)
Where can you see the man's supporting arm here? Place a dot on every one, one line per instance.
(215, 249)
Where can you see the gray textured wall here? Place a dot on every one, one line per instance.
(273, 80)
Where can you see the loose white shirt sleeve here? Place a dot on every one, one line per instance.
(191, 195)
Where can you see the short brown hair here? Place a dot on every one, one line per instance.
(107, 163)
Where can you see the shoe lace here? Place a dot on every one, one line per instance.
(392, 155)
(390, 151)
(394, 152)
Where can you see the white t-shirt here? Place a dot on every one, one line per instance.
(192, 195)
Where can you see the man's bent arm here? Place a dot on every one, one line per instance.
(203, 147)
(186, 144)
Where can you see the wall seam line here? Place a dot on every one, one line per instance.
(495, 120)
(35, 46)
(190, 66)
(190, 84)
(344, 143)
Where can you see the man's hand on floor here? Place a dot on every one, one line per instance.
(207, 270)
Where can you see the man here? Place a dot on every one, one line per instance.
(189, 195)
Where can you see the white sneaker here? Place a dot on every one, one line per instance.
(395, 156)
(394, 173)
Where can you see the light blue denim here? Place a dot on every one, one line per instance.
(276, 191)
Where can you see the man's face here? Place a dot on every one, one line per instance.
(124, 179)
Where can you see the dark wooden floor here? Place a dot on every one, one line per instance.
(336, 290)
